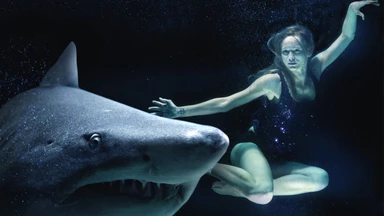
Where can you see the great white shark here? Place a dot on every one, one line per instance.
(67, 151)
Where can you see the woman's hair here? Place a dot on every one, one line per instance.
(301, 33)
(305, 38)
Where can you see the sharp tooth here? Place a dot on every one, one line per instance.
(143, 183)
(122, 182)
(172, 191)
(160, 191)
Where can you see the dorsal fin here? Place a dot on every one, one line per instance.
(64, 71)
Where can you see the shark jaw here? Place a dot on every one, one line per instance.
(131, 189)
(138, 189)
(126, 197)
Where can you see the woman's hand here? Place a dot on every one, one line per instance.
(356, 6)
(165, 108)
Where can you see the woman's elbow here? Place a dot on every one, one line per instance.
(351, 37)
(348, 38)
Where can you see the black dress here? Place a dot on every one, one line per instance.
(283, 125)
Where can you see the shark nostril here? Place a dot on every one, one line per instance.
(49, 142)
(146, 158)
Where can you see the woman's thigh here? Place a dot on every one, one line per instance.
(248, 156)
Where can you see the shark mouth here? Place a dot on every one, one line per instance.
(138, 189)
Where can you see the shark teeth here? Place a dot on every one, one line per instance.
(138, 188)
(143, 183)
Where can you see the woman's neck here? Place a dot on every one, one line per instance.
(299, 75)
(300, 85)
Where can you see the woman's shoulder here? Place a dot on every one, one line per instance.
(270, 82)
(271, 78)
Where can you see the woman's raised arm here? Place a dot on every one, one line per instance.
(325, 58)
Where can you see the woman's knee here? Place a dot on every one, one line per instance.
(320, 179)
(260, 198)
(260, 192)
(241, 148)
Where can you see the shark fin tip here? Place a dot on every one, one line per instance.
(64, 71)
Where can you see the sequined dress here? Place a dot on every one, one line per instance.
(283, 125)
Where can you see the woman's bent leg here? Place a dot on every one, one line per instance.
(250, 177)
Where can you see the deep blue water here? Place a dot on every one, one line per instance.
(190, 51)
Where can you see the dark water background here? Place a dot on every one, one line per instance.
(190, 51)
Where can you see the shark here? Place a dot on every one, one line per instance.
(68, 151)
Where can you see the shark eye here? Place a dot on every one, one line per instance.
(95, 140)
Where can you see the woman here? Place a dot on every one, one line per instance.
(288, 83)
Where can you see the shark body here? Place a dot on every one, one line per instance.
(67, 151)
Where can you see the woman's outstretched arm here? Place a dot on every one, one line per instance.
(325, 58)
(265, 84)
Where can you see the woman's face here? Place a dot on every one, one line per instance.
(292, 54)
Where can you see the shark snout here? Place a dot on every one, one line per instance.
(162, 150)
(210, 140)
(186, 152)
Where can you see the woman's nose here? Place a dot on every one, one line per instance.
(291, 57)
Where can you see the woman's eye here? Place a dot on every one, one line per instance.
(95, 140)
(297, 51)
(285, 52)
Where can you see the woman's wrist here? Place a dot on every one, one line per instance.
(180, 112)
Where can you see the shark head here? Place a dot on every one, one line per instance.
(67, 151)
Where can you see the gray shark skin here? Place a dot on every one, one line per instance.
(66, 151)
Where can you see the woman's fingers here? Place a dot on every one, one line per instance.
(157, 113)
(164, 107)
(361, 4)
(158, 103)
(376, 3)
(154, 109)
(372, 1)
(167, 101)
